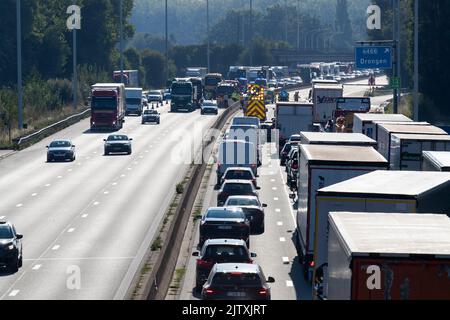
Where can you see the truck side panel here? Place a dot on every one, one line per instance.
(402, 279)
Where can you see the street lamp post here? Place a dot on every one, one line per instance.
(416, 60)
(207, 31)
(167, 44)
(121, 40)
(251, 33)
(298, 25)
(19, 65)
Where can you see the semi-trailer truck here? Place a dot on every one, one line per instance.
(130, 78)
(107, 106)
(293, 117)
(182, 94)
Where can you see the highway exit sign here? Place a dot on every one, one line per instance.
(373, 57)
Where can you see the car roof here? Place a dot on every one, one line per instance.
(233, 209)
(239, 168)
(236, 267)
(61, 140)
(238, 181)
(5, 223)
(232, 242)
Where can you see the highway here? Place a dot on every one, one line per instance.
(87, 224)
(275, 247)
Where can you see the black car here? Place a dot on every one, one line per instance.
(220, 251)
(253, 209)
(292, 169)
(285, 151)
(235, 188)
(237, 281)
(151, 115)
(229, 223)
(10, 247)
(60, 150)
(117, 143)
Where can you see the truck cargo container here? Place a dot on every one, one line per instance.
(436, 161)
(236, 153)
(324, 97)
(328, 138)
(348, 107)
(133, 101)
(130, 77)
(410, 253)
(293, 117)
(321, 166)
(380, 191)
(385, 131)
(107, 106)
(364, 122)
(406, 149)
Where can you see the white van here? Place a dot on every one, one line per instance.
(236, 153)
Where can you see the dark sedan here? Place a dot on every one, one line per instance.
(10, 247)
(235, 188)
(151, 116)
(253, 209)
(117, 143)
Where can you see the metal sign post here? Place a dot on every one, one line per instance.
(74, 24)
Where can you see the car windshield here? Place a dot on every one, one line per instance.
(209, 104)
(220, 214)
(242, 202)
(182, 89)
(212, 81)
(237, 279)
(226, 253)
(238, 187)
(287, 147)
(60, 144)
(5, 232)
(135, 101)
(117, 138)
(154, 93)
(104, 103)
(150, 112)
(238, 175)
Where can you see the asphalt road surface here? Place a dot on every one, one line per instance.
(87, 224)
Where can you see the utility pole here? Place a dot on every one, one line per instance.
(75, 74)
(243, 22)
(251, 33)
(395, 55)
(19, 65)
(167, 44)
(207, 31)
(121, 40)
(416, 60)
(285, 21)
(298, 25)
(399, 47)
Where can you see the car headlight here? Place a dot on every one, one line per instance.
(11, 247)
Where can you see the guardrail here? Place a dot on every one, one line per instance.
(45, 132)
(161, 275)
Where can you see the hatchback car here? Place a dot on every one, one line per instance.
(229, 223)
(209, 106)
(285, 152)
(237, 281)
(61, 150)
(239, 173)
(220, 251)
(117, 143)
(151, 115)
(235, 188)
(253, 209)
(10, 247)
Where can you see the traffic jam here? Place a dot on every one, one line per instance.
(366, 187)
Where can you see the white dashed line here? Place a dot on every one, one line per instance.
(122, 175)
(276, 199)
(283, 239)
(129, 169)
(289, 283)
(19, 205)
(114, 183)
(69, 170)
(274, 188)
(59, 177)
(84, 216)
(71, 230)
(14, 293)
(47, 185)
(285, 260)
(56, 247)
(34, 194)
(96, 203)
(279, 223)
(37, 267)
(277, 210)
(272, 180)
(106, 192)
(272, 173)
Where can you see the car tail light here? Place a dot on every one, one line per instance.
(295, 166)
(263, 292)
(209, 291)
(204, 264)
(253, 165)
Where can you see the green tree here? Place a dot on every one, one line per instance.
(153, 63)
(343, 26)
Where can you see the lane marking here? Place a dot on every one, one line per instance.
(122, 175)
(129, 168)
(47, 185)
(106, 192)
(277, 210)
(56, 247)
(96, 203)
(71, 230)
(282, 239)
(69, 170)
(19, 205)
(274, 188)
(289, 283)
(285, 260)
(114, 183)
(84, 215)
(37, 267)
(272, 180)
(279, 223)
(59, 177)
(14, 293)
(276, 199)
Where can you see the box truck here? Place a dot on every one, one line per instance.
(328, 138)
(348, 107)
(133, 101)
(388, 256)
(406, 149)
(385, 131)
(236, 153)
(435, 161)
(364, 122)
(324, 97)
(293, 117)
(379, 191)
(321, 166)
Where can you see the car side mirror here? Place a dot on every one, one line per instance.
(253, 255)
(73, 146)
(19, 236)
(264, 205)
(258, 188)
(104, 140)
(270, 280)
(195, 254)
(46, 147)
(131, 139)
(292, 196)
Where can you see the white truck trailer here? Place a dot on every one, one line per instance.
(293, 117)
(380, 191)
(324, 98)
(406, 149)
(364, 122)
(410, 251)
(436, 161)
(332, 138)
(321, 166)
(133, 101)
(386, 130)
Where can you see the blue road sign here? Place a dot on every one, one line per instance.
(373, 57)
